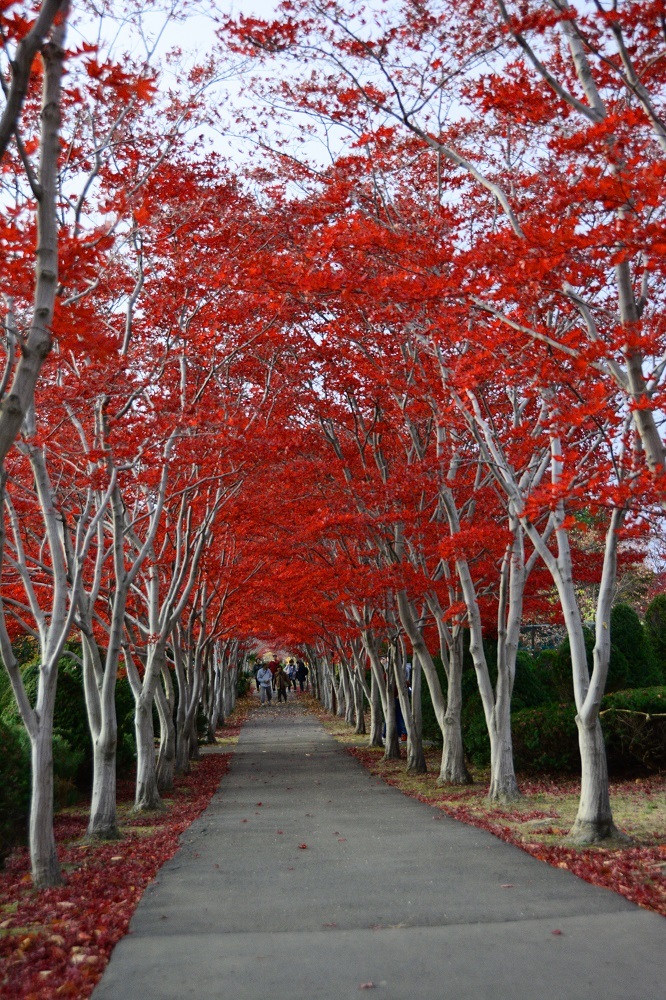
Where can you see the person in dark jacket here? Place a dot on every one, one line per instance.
(301, 674)
(281, 683)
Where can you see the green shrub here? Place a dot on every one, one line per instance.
(244, 683)
(630, 638)
(126, 749)
(69, 717)
(561, 677)
(545, 739)
(431, 730)
(655, 626)
(475, 738)
(6, 694)
(15, 780)
(14, 787)
(530, 687)
(634, 724)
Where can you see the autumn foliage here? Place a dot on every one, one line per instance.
(383, 390)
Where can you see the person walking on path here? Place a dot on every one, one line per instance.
(265, 682)
(281, 682)
(301, 674)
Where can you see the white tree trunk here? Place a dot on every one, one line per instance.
(166, 759)
(35, 350)
(214, 695)
(103, 822)
(340, 701)
(376, 714)
(391, 742)
(452, 768)
(594, 819)
(503, 785)
(147, 795)
(345, 684)
(415, 757)
(43, 854)
(359, 705)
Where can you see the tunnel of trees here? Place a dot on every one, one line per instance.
(382, 393)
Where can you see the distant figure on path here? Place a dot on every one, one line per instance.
(281, 682)
(301, 674)
(265, 682)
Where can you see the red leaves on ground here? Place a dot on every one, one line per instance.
(57, 942)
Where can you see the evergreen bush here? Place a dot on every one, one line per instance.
(545, 739)
(634, 724)
(655, 626)
(70, 720)
(14, 786)
(630, 638)
(561, 677)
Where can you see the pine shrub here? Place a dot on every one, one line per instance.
(14, 786)
(655, 626)
(630, 638)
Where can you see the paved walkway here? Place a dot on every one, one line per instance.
(387, 892)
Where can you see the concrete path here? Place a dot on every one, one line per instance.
(387, 892)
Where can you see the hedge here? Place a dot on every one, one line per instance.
(14, 787)
(630, 637)
(655, 626)
(545, 739)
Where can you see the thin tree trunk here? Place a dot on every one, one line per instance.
(452, 740)
(147, 795)
(503, 786)
(359, 706)
(453, 770)
(214, 686)
(103, 822)
(339, 693)
(594, 819)
(391, 741)
(99, 686)
(376, 714)
(194, 733)
(347, 688)
(166, 759)
(43, 854)
(35, 350)
(415, 757)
